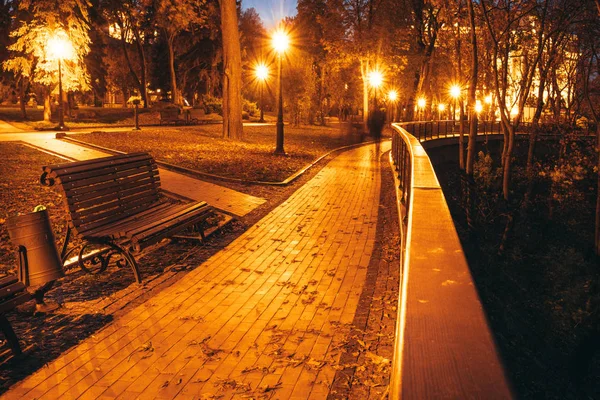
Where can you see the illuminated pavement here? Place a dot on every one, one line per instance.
(266, 316)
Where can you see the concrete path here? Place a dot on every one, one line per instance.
(220, 197)
(263, 318)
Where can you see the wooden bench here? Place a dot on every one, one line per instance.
(196, 116)
(12, 293)
(170, 115)
(115, 206)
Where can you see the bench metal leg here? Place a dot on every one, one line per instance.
(10, 335)
(129, 259)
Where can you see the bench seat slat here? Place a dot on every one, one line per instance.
(8, 280)
(11, 289)
(156, 235)
(176, 212)
(11, 303)
(135, 223)
(112, 230)
(107, 218)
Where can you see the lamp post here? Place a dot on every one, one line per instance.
(59, 47)
(280, 42)
(375, 80)
(441, 109)
(455, 92)
(393, 97)
(421, 103)
(262, 73)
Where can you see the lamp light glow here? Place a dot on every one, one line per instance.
(455, 91)
(280, 41)
(262, 72)
(421, 102)
(393, 95)
(375, 78)
(478, 106)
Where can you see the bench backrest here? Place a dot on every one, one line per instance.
(169, 113)
(104, 190)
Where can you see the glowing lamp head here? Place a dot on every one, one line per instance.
(455, 91)
(488, 99)
(375, 79)
(478, 106)
(60, 47)
(441, 107)
(280, 41)
(262, 72)
(393, 95)
(421, 103)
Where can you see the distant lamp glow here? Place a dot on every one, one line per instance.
(441, 107)
(455, 91)
(488, 99)
(262, 72)
(280, 41)
(514, 111)
(478, 106)
(393, 95)
(375, 79)
(421, 103)
(60, 48)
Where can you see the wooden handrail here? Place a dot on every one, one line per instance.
(444, 347)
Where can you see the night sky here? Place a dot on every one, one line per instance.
(271, 11)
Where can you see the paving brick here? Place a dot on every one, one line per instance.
(254, 314)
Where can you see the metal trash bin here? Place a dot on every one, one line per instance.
(39, 261)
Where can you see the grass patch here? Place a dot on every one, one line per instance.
(202, 148)
(87, 117)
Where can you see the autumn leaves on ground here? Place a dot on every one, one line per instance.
(90, 302)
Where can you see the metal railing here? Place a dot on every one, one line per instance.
(428, 130)
(443, 346)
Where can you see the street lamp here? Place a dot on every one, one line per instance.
(478, 107)
(262, 73)
(421, 103)
(59, 47)
(280, 41)
(455, 93)
(375, 80)
(441, 109)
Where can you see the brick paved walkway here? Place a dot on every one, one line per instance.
(265, 317)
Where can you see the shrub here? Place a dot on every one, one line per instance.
(213, 104)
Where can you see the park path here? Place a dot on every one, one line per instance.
(225, 199)
(266, 317)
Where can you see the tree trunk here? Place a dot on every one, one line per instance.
(364, 71)
(47, 105)
(143, 73)
(597, 235)
(472, 93)
(459, 78)
(22, 87)
(171, 46)
(232, 72)
(507, 162)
